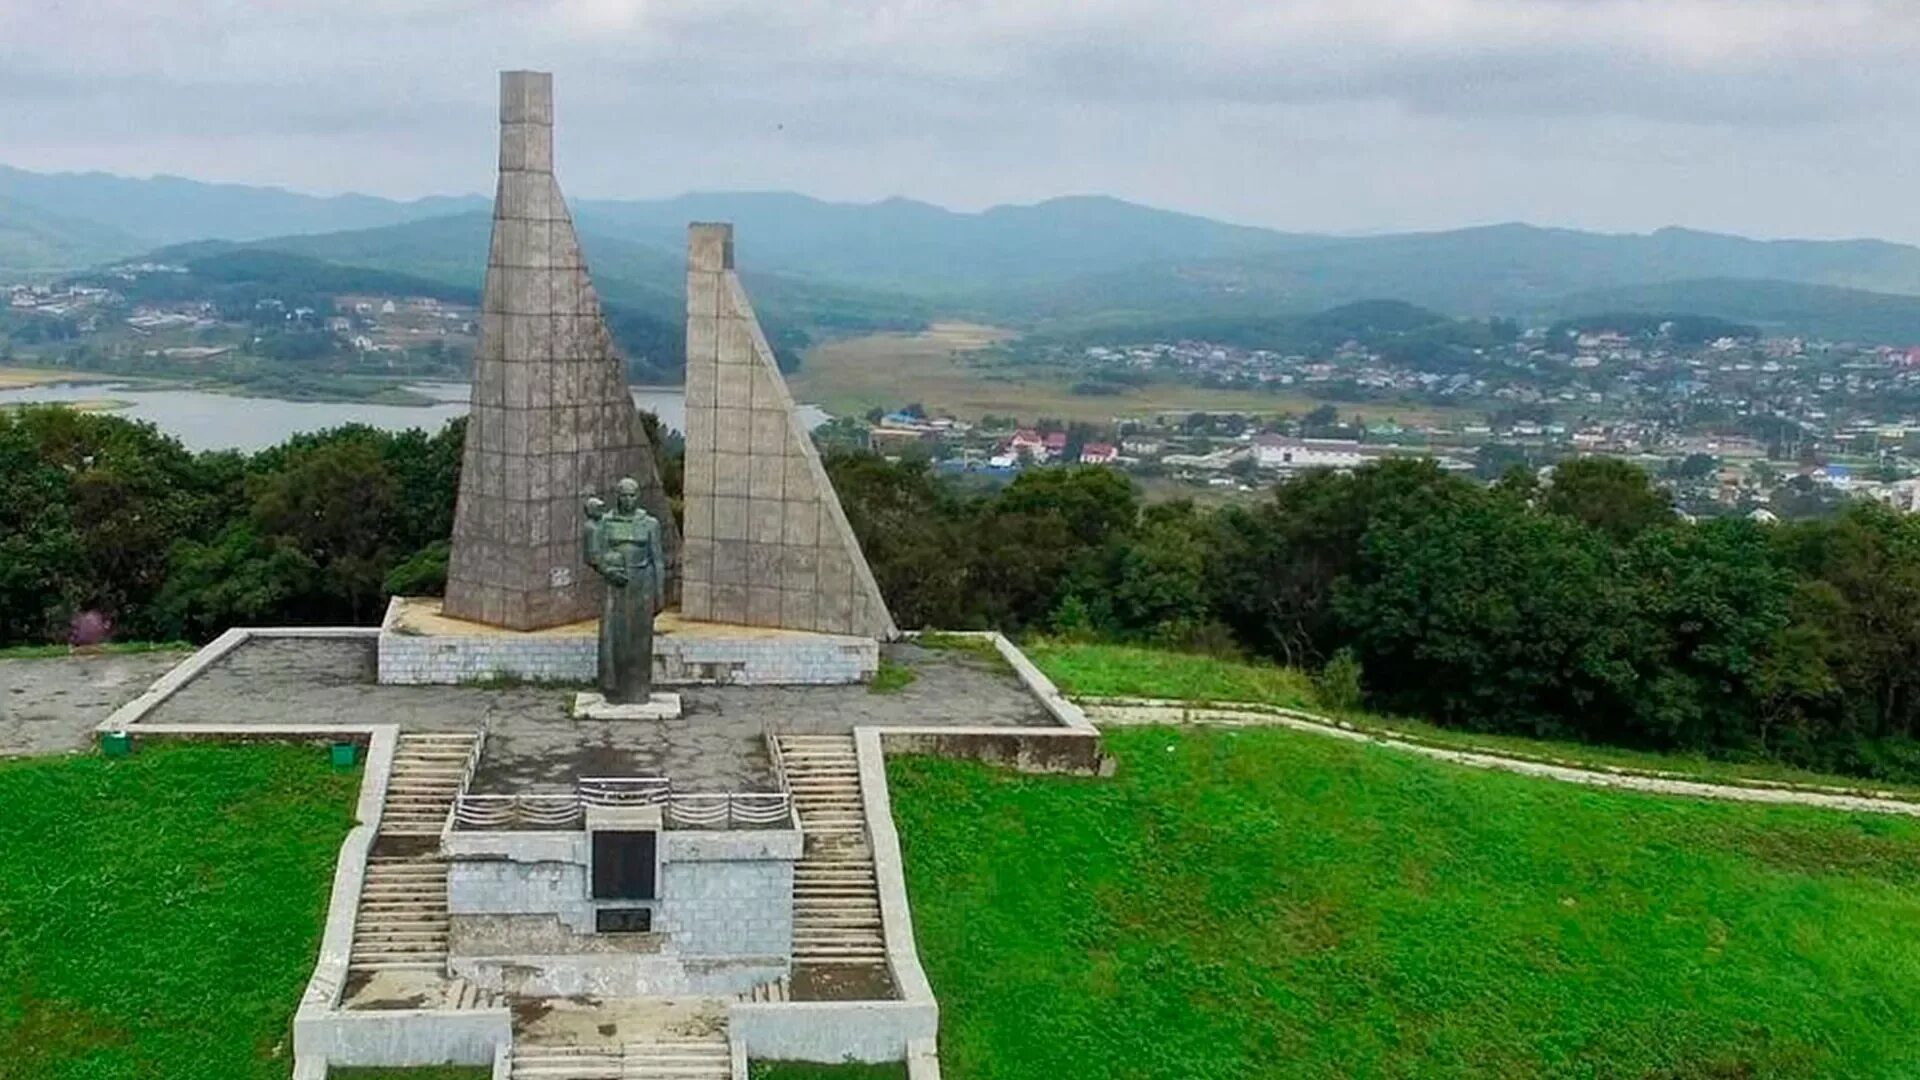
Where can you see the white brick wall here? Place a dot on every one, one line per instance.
(445, 660)
(723, 909)
(722, 895)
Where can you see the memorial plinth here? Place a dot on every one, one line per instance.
(421, 645)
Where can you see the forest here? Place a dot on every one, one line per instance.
(1577, 607)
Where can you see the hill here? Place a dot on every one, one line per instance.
(1494, 270)
(1775, 307)
(632, 278)
(903, 244)
(171, 209)
(1060, 265)
(34, 242)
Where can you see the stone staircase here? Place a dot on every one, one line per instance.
(665, 1057)
(402, 922)
(428, 769)
(768, 992)
(462, 994)
(403, 915)
(836, 902)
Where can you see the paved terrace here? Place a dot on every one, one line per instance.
(534, 745)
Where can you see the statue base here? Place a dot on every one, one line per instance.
(592, 706)
(419, 646)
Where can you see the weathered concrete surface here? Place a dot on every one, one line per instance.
(50, 706)
(552, 420)
(533, 744)
(767, 542)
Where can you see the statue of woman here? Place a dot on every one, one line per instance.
(623, 547)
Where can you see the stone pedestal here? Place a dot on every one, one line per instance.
(421, 645)
(589, 705)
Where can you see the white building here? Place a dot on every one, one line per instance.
(1288, 454)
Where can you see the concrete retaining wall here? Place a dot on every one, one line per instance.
(831, 1032)
(403, 1036)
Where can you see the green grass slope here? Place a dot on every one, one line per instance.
(1262, 903)
(160, 914)
(36, 243)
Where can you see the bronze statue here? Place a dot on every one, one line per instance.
(623, 547)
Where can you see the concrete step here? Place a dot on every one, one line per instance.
(398, 963)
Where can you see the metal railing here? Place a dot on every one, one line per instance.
(567, 810)
(730, 810)
(466, 779)
(563, 811)
(624, 790)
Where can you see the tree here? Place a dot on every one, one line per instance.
(1709, 605)
(1092, 503)
(1613, 496)
(1158, 587)
(235, 580)
(337, 505)
(1480, 613)
(1272, 566)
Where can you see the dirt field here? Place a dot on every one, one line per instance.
(945, 369)
(13, 378)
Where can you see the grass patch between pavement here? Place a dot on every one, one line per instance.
(160, 914)
(1264, 903)
(35, 652)
(891, 678)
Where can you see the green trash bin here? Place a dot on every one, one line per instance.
(117, 743)
(343, 755)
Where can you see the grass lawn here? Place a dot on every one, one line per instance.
(1097, 670)
(1260, 902)
(1102, 670)
(159, 914)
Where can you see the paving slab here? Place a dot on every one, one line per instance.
(534, 743)
(50, 705)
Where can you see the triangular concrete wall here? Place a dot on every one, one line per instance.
(767, 543)
(552, 419)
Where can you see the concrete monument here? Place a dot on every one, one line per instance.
(552, 418)
(767, 542)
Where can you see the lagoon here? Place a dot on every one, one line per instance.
(210, 421)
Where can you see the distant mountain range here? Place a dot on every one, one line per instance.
(1065, 265)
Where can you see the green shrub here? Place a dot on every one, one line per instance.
(1338, 686)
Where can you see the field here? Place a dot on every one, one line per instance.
(159, 914)
(13, 378)
(1101, 670)
(1262, 903)
(946, 369)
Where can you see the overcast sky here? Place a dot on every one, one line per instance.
(1765, 117)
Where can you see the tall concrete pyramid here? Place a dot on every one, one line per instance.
(552, 419)
(767, 542)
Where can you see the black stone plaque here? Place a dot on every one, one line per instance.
(623, 920)
(624, 864)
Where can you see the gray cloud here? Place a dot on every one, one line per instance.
(1760, 115)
